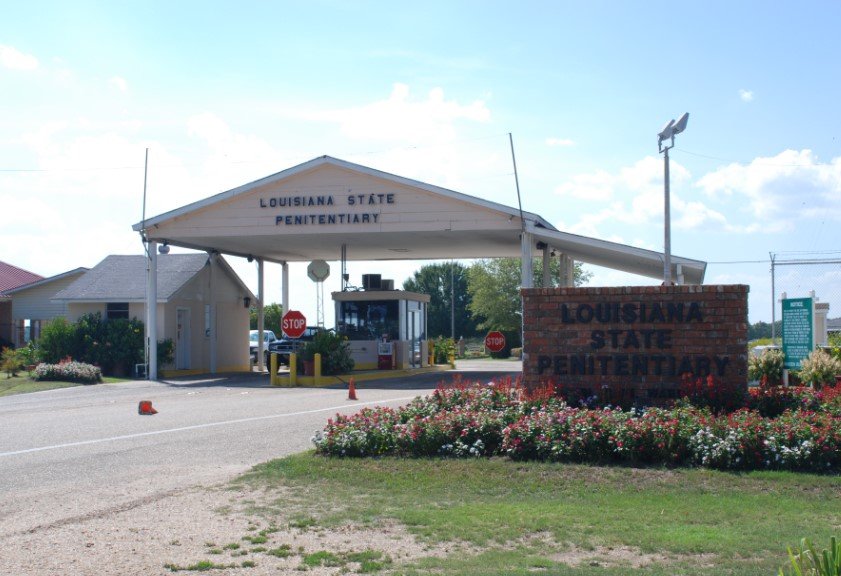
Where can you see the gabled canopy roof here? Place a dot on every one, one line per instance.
(312, 210)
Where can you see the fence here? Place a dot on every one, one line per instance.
(796, 278)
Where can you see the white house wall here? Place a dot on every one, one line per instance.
(36, 303)
(232, 321)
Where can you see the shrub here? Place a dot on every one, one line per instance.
(767, 368)
(711, 393)
(114, 344)
(443, 349)
(772, 401)
(69, 371)
(819, 368)
(335, 354)
(12, 361)
(58, 340)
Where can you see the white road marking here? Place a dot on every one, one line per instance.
(196, 427)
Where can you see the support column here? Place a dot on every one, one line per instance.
(547, 261)
(212, 266)
(152, 311)
(260, 316)
(284, 286)
(526, 274)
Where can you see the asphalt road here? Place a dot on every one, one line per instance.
(71, 453)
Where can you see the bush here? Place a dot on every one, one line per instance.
(443, 349)
(115, 345)
(11, 362)
(334, 350)
(819, 368)
(57, 341)
(767, 368)
(69, 371)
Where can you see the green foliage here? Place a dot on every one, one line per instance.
(166, 352)
(494, 287)
(114, 344)
(761, 330)
(57, 341)
(11, 362)
(334, 350)
(819, 368)
(443, 349)
(767, 368)
(272, 315)
(445, 283)
(805, 560)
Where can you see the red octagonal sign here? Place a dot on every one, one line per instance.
(495, 341)
(293, 324)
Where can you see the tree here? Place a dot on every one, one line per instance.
(444, 283)
(494, 287)
(272, 314)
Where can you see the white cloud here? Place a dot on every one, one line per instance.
(559, 142)
(16, 60)
(775, 192)
(746, 95)
(400, 118)
(119, 83)
(598, 185)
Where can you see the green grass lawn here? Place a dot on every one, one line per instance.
(23, 383)
(522, 518)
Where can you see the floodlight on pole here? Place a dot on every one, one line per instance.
(667, 134)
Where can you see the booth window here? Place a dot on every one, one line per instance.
(116, 310)
(369, 320)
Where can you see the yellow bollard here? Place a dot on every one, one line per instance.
(293, 369)
(317, 372)
(273, 369)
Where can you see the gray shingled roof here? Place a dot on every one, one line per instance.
(123, 278)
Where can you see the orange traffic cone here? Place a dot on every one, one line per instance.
(351, 390)
(145, 408)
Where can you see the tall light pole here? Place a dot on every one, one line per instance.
(668, 132)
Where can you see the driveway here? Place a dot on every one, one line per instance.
(71, 453)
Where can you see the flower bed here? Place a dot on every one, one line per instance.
(802, 432)
(69, 371)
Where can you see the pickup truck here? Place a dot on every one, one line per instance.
(286, 346)
(254, 342)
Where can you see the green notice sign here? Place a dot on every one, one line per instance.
(797, 331)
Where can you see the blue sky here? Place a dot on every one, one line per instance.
(223, 94)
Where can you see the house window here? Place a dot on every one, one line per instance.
(114, 310)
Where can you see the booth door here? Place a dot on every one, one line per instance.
(182, 339)
(414, 338)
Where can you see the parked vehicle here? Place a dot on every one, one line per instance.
(286, 346)
(269, 338)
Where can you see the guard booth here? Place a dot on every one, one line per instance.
(378, 320)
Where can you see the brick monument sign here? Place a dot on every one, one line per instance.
(640, 340)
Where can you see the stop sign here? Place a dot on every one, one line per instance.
(293, 324)
(495, 341)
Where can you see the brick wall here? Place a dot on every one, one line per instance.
(640, 340)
